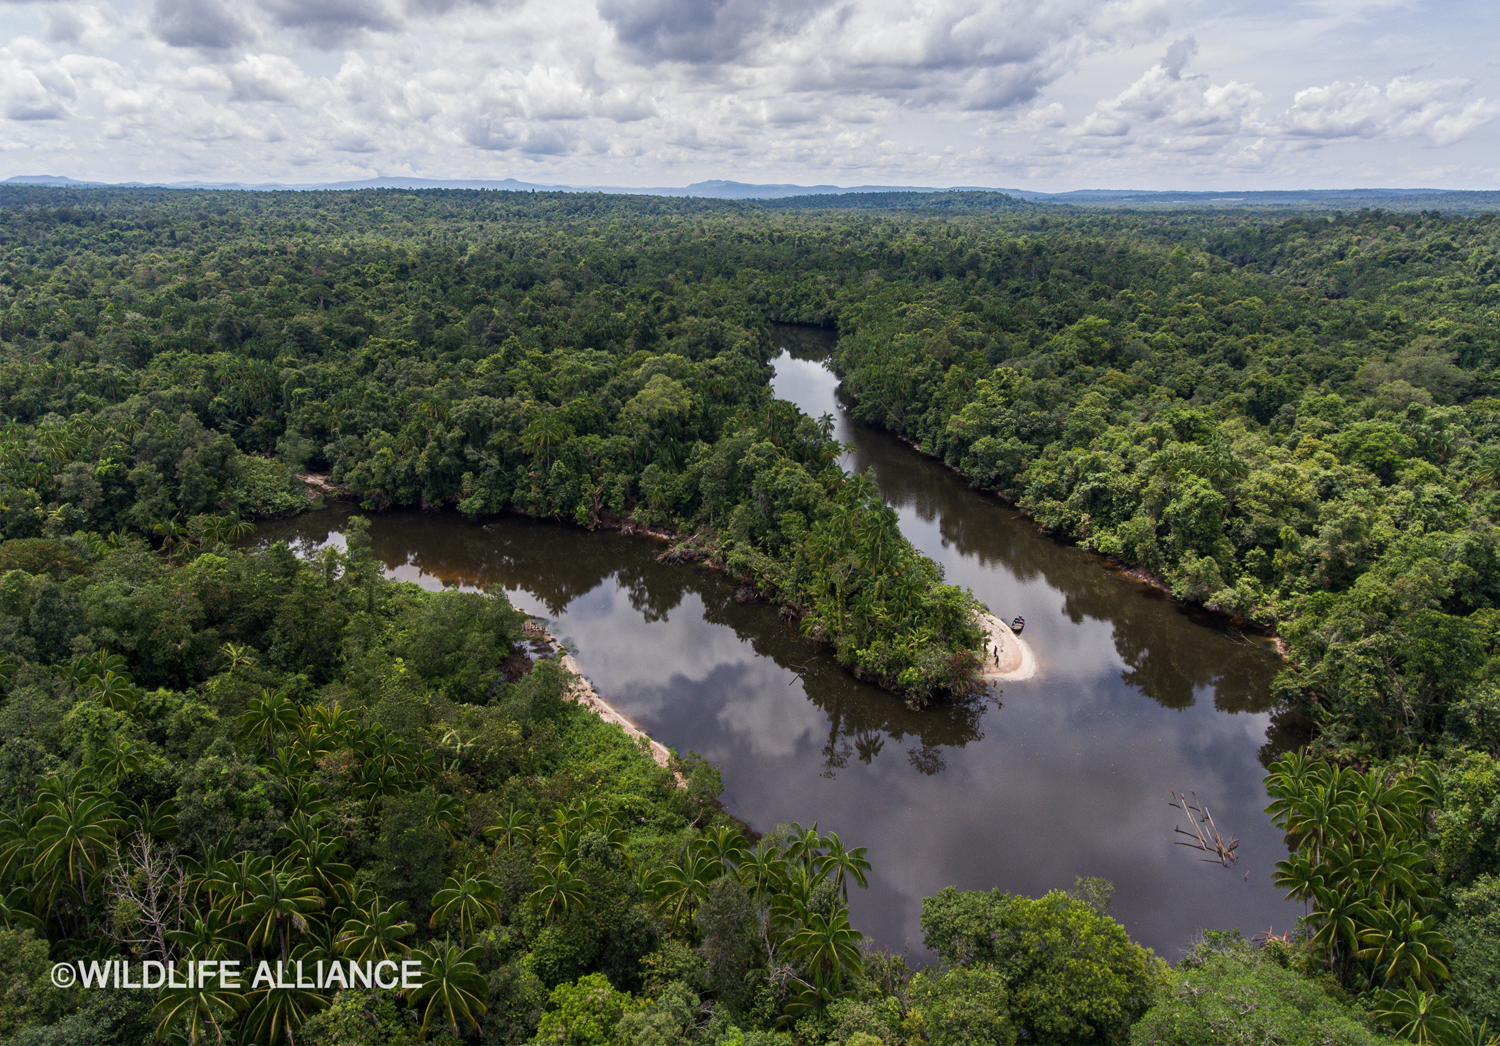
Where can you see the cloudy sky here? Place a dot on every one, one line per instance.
(1043, 94)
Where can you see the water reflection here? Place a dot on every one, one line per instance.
(997, 552)
(551, 570)
(1069, 776)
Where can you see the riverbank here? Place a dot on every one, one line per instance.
(1007, 657)
(583, 693)
(1139, 574)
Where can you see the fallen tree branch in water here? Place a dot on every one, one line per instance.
(1210, 842)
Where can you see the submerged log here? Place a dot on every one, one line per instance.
(1209, 841)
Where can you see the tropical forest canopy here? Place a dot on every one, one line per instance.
(209, 749)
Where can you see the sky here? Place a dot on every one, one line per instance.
(1048, 95)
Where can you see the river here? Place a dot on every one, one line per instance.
(1065, 774)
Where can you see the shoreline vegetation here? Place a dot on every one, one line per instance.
(1137, 573)
(582, 692)
(208, 752)
(1016, 661)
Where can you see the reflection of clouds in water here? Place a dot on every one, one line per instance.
(1071, 774)
(623, 650)
(1042, 801)
(750, 695)
(417, 576)
(770, 716)
(526, 602)
(739, 713)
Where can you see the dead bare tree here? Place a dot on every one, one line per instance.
(1209, 841)
(148, 897)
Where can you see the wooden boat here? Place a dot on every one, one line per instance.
(1018, 624)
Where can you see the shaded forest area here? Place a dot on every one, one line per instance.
(212, 751)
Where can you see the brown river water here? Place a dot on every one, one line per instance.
(1065, 774)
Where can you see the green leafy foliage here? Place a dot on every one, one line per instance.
(962, 1006)
(1226, 993)
(1362, 862)
(1474, 927)
(1071, 973)
(583, 1013)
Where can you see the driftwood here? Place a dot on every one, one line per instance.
(1211, 841)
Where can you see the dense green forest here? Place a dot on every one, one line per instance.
(213, 750)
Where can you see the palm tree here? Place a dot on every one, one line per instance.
(57, 443)
(376, 781)
(448, 814)
(724, 845)
(763, 872)
(790, 905)
(1395, 869)
(830, 948)
(277, 1014)
(374, 932)
(452, 988)
(240, 655)
(173, 535)
(803, 844)
(1417, 1016)
(681, 887)
(268, 717)
(82, 669)
(119, 759)
(236, 529)
(290, 766)
(1404, 946)
(513, 827)
(208, 935)
(305, 797)
(389, 752)
(543, 435)
(557, 890)
(228, 880)
(157, 822)
(1341, 912)
(843, 864)
(196, 1015)
(13, 913)
(470, 900)
(276, 907)
(113, 690)
(72, 837)
(314, 855)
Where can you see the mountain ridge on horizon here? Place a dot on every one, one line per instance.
(725, 189)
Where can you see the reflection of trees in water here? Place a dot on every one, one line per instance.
(861, 717)
(559, 564)
(1168, 655)
(803, 342)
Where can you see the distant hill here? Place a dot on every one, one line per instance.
(789, 195)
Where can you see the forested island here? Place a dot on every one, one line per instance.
(213, 749)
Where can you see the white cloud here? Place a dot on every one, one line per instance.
(670, 91)
(330, 24)
(1166, 108)
(268, 78)
(1185, 122)
(33, 84)
(1403, 108)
